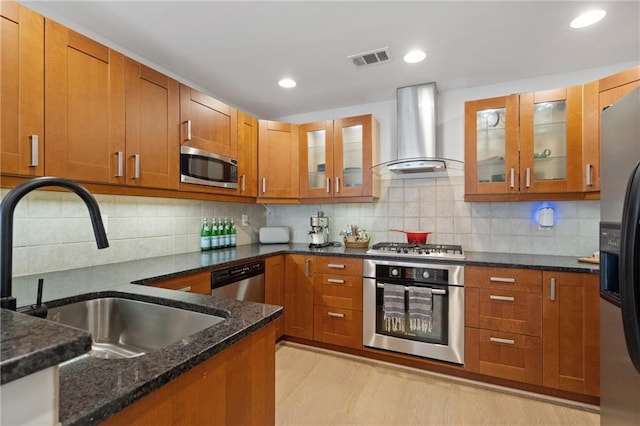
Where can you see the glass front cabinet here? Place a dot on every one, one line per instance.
(524, 144)
(336, 157)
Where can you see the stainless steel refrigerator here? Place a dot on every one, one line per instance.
(620, 262)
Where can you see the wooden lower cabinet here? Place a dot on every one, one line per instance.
(342, 327)
(571, 332)
(298, 296)
(199, 283)
(234, 387)
(274, 286)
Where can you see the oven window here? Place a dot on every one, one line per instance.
(433, 331)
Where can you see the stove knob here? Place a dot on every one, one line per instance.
(395, 272)
(405, 250)
(425, 274)
(420, 251)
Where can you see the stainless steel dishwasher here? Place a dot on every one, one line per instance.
(240, 282)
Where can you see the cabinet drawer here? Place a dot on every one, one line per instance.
(337, 326)
(528, 280)
(196, 283)
(507, 355)
(337, 265)
(340, 291)
(504, 310)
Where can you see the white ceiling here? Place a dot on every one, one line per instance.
(238, 50)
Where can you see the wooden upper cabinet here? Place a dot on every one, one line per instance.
(22, 87)
(491, 146)
(571, 332)
(551, 141)
(278, 168)
(207, 123)
(598, 95)
(152, 117)
(316, 160)
(84, 107)
(247, 155)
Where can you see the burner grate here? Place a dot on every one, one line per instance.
(420, 250)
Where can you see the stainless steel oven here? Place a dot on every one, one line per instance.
(420, 313)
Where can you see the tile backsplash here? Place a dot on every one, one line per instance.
(52, 230)
(437, 205)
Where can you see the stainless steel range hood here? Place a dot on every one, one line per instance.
(418, 149)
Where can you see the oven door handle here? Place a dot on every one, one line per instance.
(433, 291)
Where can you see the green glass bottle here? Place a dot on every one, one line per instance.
(215, 235)
(232, 233)
(226, 237)
(205, 238)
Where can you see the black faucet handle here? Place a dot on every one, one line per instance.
(39, 309)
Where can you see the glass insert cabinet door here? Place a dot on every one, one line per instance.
(491, 145)
(551, 140)
(353, 156)
(316, 159)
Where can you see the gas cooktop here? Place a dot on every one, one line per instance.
(447, 251)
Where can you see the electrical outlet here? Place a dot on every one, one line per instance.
(245, 219)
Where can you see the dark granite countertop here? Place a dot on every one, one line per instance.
(92, 389)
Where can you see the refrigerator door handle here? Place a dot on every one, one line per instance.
(629, 267)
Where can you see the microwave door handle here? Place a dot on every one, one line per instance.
(628, 270)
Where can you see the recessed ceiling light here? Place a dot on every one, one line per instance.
(287, 83)
(414, 56)
(588, 18)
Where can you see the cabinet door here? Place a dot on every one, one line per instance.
(298, 296)
(571, 332)
(84, 107)
(207, 123)
(22, 88)
(278, 157)
(152, 117)
(316, 160)
(355, 146)
(551, 141)
(247, 155)
(491, 146)
(274, 286)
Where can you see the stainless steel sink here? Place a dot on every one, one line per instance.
(125, 328)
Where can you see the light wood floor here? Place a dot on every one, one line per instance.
(316, 387)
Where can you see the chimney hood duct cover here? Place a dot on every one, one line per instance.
(418, 149)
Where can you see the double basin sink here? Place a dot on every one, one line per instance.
(127, 328)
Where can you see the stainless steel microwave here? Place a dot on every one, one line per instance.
(206, 168)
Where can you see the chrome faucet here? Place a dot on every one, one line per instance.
(7, 207)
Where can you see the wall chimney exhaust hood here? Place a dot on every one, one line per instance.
(418, 149)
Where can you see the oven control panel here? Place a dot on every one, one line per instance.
(413, 274)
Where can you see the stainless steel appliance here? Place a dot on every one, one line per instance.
(424, 251)
(319, 233)
(437, 289)
(207, 168)
(620, 262)
(240, 282)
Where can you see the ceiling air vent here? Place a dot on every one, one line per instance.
(372, 57)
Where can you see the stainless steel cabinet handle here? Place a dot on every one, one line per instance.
(512, 178)
(335, 314)
(433, 290)
(244, 182)
(307, 268)
(120, 160)
(588, 174)
(335, 281)
(328, 185)
(188, 130)
(34, 150)
(336, 266)
(264, 185)
(552, 296)
(527, 177)
(337, 185)
(502, 298)
(500, 340)
(187, 288)
(136, 166)
(502, 280)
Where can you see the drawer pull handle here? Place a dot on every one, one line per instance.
(34, 150)
(187, 288)
(505, 341)
(335, 281)
(502, 280)
(335, 314)
(503, 298)
(336, 266)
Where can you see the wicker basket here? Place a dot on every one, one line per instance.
(356, 244)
